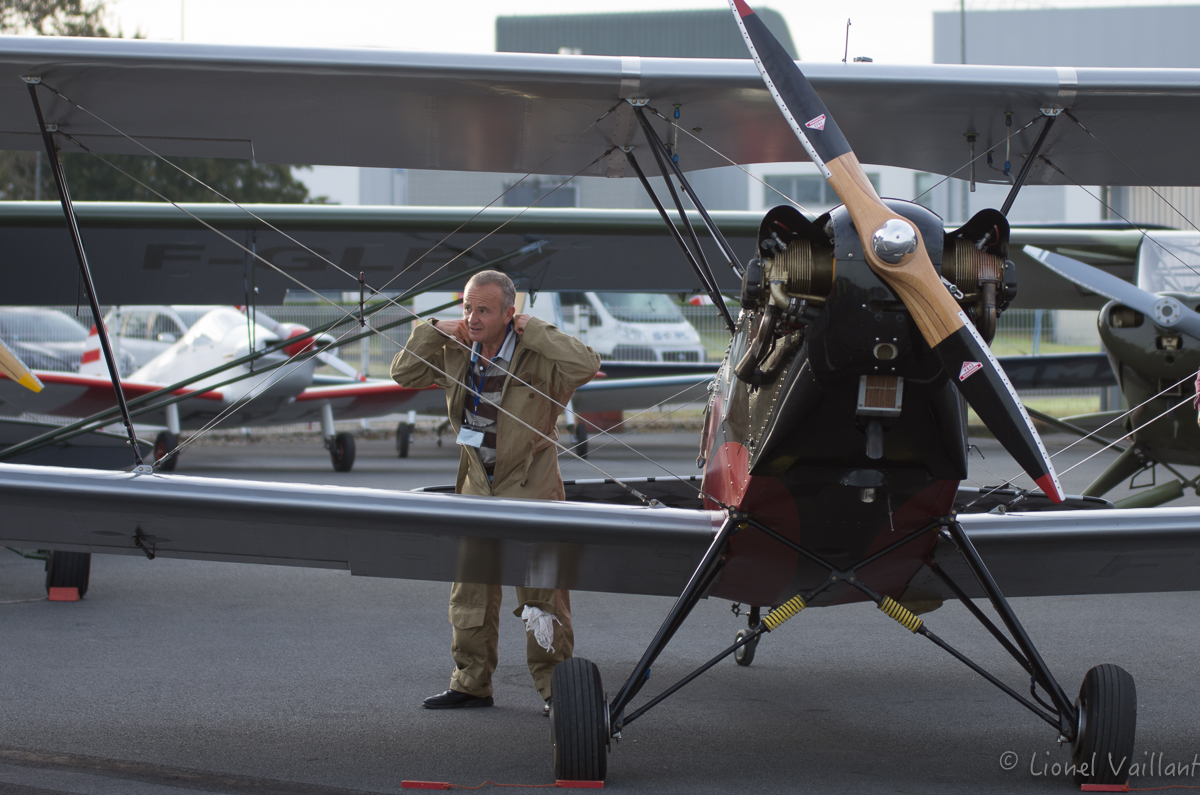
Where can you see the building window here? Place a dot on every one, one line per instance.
(808, 190)
(923, 189)
(543, 193)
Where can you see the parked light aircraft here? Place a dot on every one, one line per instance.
(290, 394)
(839, 401)
(1151, 334)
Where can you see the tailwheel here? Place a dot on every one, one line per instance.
(165, 443)
(745, 654)
(68, 570)
(341, 450)
(578, 722)
(1107, 707)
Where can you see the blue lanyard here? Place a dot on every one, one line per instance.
(477, 387)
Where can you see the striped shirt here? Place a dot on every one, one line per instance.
(482, 416)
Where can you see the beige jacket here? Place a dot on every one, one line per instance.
(552, 362)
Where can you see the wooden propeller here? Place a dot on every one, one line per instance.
(896, 253)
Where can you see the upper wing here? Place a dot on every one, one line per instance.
(370, 532)
(512, 112)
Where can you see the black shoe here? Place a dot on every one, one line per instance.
(453, 699)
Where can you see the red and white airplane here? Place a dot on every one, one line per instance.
(284, 395)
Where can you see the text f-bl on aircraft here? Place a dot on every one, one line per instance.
(828, 478)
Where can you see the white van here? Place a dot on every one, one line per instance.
(627, 327)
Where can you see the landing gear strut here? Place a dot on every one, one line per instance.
(1099, 725)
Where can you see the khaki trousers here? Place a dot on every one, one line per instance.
(475, 616)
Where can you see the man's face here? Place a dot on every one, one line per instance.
(486, 321)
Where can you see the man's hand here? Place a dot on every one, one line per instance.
(519, 323)
(456, 329)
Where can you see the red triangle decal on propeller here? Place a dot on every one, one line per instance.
(742, 9)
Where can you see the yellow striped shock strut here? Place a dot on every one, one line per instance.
(776, 617)
(902, 615)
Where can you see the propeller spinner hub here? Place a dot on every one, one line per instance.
(895, 241)
(1167, 312)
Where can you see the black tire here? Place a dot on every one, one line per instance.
(68, 570)
(342, 452)
(1107, 705)
(403, 434)
(164, 443)
(745, 655)
(581, 439)
(578, 722)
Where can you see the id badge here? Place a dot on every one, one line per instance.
(470, 437)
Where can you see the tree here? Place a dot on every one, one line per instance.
(53, 17)
(25, 175)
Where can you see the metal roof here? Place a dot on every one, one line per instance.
(708, 33)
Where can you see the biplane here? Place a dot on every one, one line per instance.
(835, 437)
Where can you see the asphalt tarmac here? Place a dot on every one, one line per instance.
(183, 677)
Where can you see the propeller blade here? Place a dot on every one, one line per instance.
(1163, 310)
(12, 366)
(896, 253)
(341, 365)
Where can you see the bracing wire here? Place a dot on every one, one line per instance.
(1096, 432)
(561, 447)
(787, 198)
(1145, 235)
(1133, 170)
(306, 248)
(387, 299)
(628, 420)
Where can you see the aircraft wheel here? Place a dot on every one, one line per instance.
(403, 433)
(581, 439)
(342, 452)
(1107, 707)
(745, 655)
(164, 443)
(578, 722)
(68, 570)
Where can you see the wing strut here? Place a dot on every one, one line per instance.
(707, 280)
(660, 147)
(64, 196)
(701, 272)
(1023, 174)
